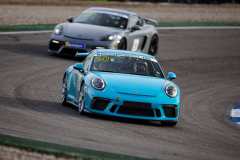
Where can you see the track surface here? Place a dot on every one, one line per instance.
(207, 65)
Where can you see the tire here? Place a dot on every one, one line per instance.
(122, 45)
(64, 91)
(169, 123)
(81, 100)
(153, 47)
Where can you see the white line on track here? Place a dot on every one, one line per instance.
(159, 28)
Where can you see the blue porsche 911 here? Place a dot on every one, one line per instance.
(123, 84)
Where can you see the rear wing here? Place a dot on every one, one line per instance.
(81, 55)
(150, 20)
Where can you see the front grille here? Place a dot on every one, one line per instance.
(170, 110)
(138, 105)
(54, 46)
(114, 107)
(99, 103)
(72, 51)
(136, 111)
(158, 113)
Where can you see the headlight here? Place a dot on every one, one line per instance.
(58, 30)
(98, 83)
(171, 91)
(110, 37)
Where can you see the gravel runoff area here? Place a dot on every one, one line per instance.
(23, 12)
(10, 153)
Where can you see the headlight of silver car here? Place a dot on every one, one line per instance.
(98, 83)
(171, 90)
(58, 30)
(110, 37)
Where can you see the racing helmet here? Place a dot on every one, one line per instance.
(140, 66)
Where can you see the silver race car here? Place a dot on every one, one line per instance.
(98, 28)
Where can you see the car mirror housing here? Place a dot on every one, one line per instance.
(78, 66)
(171, 76)
(136, 27)
(70, 19)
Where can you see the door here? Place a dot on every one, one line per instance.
(135, 38)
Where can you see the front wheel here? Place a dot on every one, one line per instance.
(169, 123)
(64, 91)
(81, 100)
(122, 44)
(153, 48)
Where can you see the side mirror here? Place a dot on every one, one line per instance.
(79, 67)
(136, 27)
(70, 19)
(171, 76)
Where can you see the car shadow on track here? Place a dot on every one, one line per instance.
(29, 105)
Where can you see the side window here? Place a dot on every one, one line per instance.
(135, 20)
(87, 61)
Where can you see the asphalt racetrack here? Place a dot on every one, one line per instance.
(207, 65)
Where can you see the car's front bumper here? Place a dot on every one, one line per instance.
(113, 105)
(58, 45)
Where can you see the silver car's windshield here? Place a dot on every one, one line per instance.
(103, 19)
(127, 64)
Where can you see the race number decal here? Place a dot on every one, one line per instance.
(105, 58)
(97, 59)
(78, 84)
(135, 44)
(101, 58)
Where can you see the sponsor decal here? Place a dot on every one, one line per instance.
(100, 57)
(135, 44)
(75, 45)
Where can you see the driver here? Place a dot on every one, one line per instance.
(141, 67)
(123, 23)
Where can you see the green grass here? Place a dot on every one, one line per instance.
(61, 150)
(39, 27)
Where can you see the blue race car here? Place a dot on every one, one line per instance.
(123, 84)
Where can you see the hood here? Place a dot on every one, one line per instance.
(87, 31)
(133, 84)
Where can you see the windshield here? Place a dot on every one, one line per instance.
(101, 18)
(127, 64)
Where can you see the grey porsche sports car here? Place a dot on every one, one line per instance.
(105, 28)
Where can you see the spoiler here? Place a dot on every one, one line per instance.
(81, 54)
(150, 20)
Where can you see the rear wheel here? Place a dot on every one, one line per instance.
(169, 123)
(64, 91)
(81, 100)
(153, 48)
(123, 44)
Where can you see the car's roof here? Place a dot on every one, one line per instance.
(128, 13)
(123, 52)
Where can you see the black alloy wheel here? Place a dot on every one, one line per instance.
(153, 48)
(122, 45)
